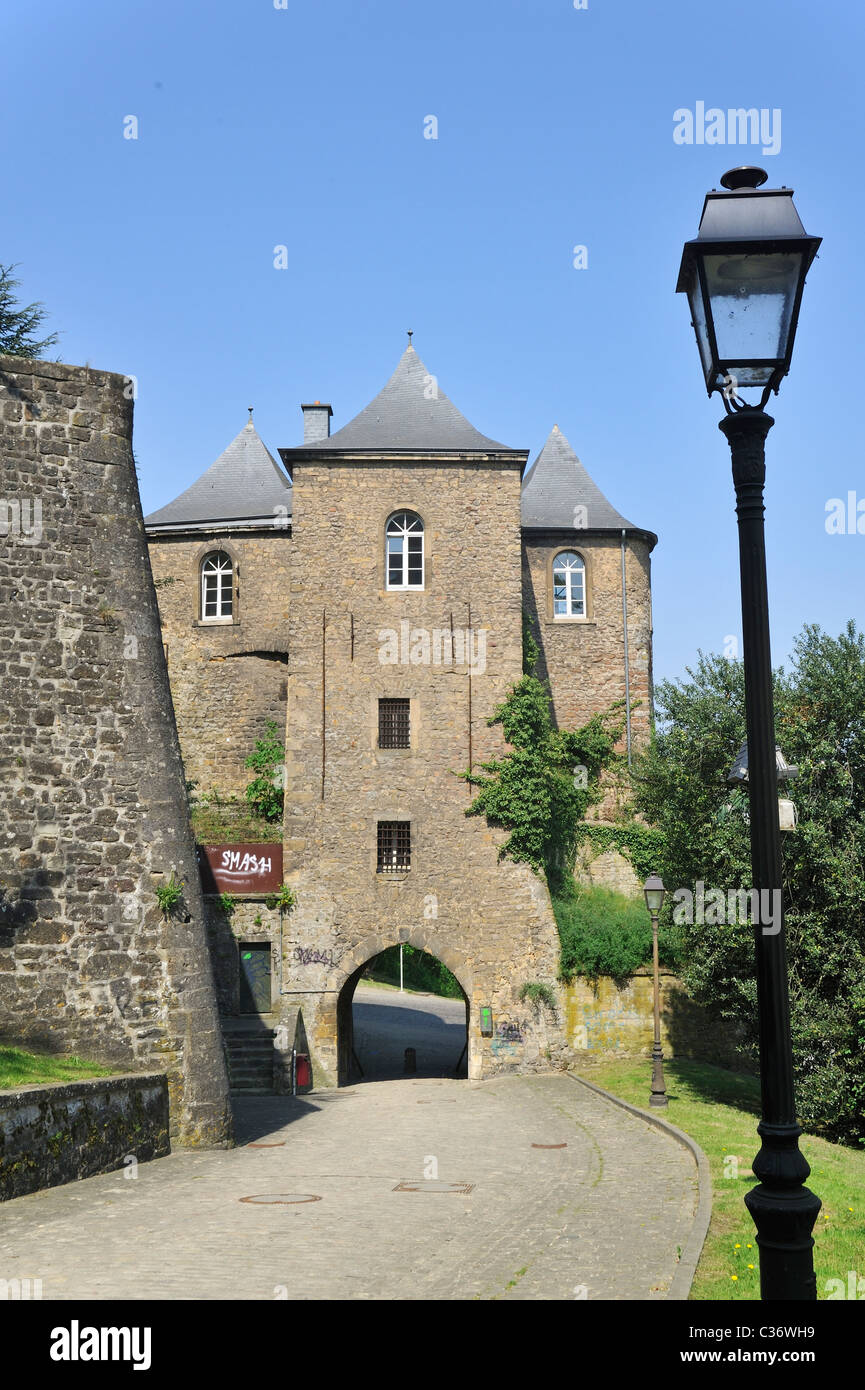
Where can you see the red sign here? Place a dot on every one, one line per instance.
(240, 869)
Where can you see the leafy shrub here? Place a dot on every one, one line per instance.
(537, 993)
(606, 933)
(169, 895)
(265, 792)
(284, 899)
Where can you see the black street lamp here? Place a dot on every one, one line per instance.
(743, 275)
(653, 892)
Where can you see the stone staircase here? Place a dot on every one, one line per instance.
(249, 1055)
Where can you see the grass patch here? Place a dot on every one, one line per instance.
(226, 822)
(720, 1109)
(20, 1068)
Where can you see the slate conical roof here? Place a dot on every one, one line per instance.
(245, 484)
(557, 483)
(410, 413)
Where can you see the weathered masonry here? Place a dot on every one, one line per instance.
(95, 811)
(371, 597)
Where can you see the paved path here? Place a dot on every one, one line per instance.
(600, 1218)
(387, 1022)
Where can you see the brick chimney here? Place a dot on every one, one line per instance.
(316, 422)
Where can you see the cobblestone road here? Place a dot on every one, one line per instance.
(600, 1218)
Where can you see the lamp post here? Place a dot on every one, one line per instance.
(653, 891)
(784, 772)
(744, 275)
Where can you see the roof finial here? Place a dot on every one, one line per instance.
(410, 332)
(249, 408)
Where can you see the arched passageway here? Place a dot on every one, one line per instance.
(377, 1023)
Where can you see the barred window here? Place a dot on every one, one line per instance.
(394, 846)
(217, 585)
(394, 724)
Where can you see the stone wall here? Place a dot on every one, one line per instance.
(489, 921)
(604, 1017)
(609, 869)
(228, 678)
(57, 1134)
(95, 813)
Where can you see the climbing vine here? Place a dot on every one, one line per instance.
(541, 789)
(641, 845)
(265, 792)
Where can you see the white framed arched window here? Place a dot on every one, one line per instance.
(217, 587)
(569, 585)
(404, 557)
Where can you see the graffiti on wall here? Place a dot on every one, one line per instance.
(307, 955)
(509, 1032)
(509, 1036)
(244, 869)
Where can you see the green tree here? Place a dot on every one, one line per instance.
(265, 792)
(17, 324)
(681, 787)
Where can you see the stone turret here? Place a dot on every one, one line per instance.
(602, 653)
(96, 814)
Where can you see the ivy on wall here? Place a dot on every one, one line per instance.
(540, 792)
(541, 789)
(641, 845)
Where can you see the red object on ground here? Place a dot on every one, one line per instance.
(302, 1071)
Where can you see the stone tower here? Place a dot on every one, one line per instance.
(588, 592)
(96, 816)
(405, 628)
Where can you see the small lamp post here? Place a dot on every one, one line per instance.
(743, 275)
(653, 891)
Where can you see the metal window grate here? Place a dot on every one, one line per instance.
(394, 846)
(394, 724)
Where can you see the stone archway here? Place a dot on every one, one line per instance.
(351, 972)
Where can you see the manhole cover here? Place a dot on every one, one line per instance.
(280, 1199)
(434, 1185)
(550, 1146)
(279, 1144)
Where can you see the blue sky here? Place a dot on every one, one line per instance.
(304, 127)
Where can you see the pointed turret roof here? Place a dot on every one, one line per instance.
(557, 483)
(244, 485)
(411, 413)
